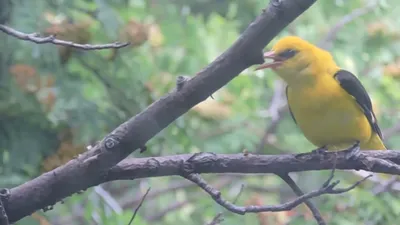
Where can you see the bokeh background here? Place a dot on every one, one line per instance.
(54, 101)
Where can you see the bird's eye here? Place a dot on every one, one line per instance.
(289, 53)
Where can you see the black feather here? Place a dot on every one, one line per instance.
(353, 86)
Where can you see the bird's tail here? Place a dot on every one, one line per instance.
(375, 143)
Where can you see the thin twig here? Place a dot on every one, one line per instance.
(217, 219)
(36, 38)
(387, 133)
(157, 192)
(99, 190)
(238, 195)
(276, 110)
(263, 189)
(110, 87)
(219, 183)
(327, 41)
(327, 188)
(296, 189)
(157, 216)
(138, 207)
(385, 186)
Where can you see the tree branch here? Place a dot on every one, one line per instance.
(36, 38)
(204, 162)
(92, 167)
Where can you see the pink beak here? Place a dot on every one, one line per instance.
(270, 55)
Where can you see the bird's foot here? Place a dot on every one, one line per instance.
(353, 152)
(321, 151)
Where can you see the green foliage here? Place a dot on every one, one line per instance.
(83, 95)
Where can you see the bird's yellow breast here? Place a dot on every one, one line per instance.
(328, 115)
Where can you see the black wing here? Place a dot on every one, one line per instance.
(353, 86)
(287, 98)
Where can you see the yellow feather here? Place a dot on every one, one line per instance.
(324, 111)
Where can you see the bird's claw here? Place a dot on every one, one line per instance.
(4, 195)
(320, 151)
(353, 152)
(143, 149)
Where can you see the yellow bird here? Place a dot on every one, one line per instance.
(329, 104)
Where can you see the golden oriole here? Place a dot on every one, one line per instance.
(329, 104)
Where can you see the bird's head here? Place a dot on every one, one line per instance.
(294, 59)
